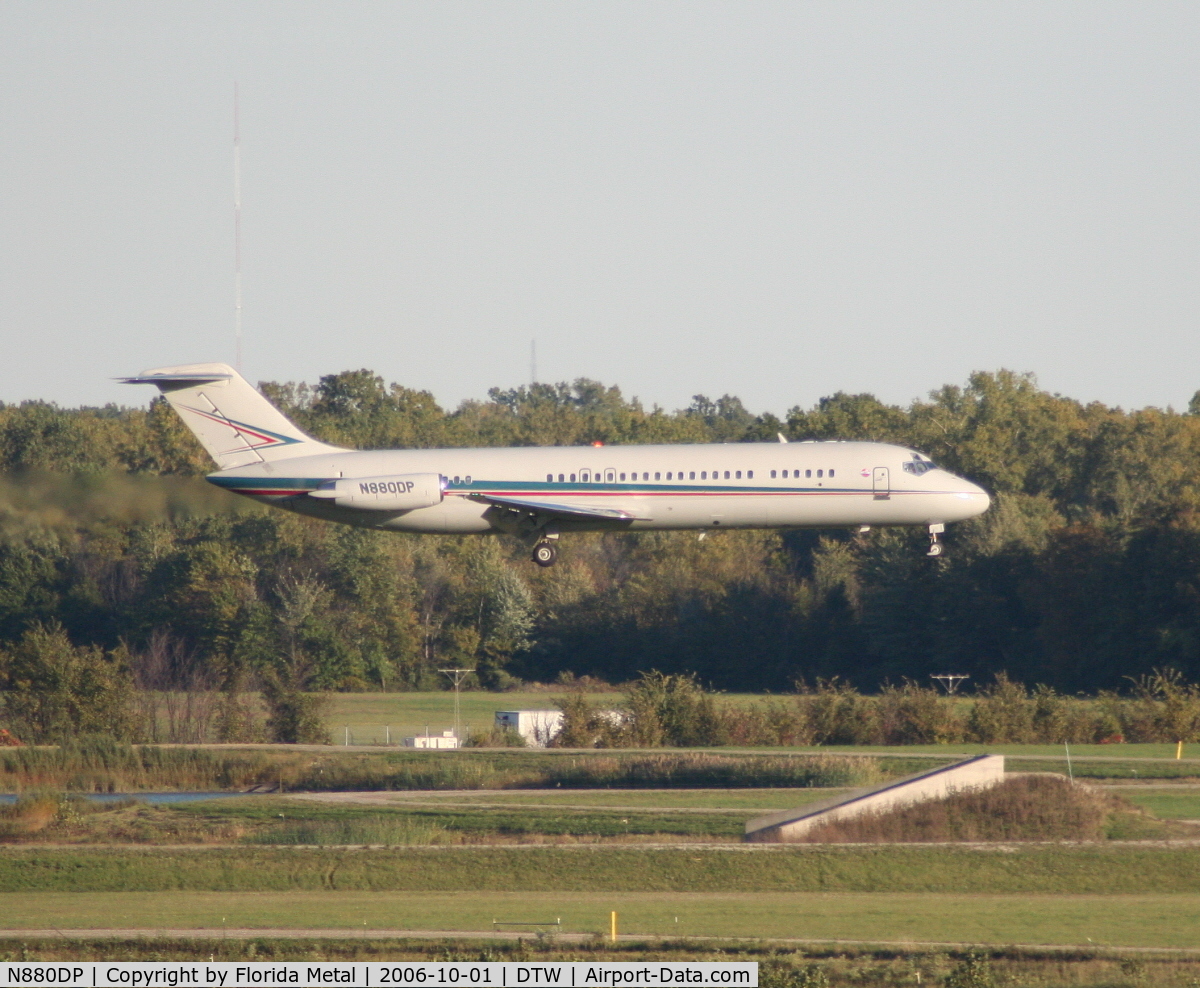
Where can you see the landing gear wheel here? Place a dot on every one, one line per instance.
(935, 547)
(545, 554)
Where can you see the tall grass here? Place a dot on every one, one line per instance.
(535, 770)
(717, 771)
(108, 767)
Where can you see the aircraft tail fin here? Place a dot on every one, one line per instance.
(232, 420)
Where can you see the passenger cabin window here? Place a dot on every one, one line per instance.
(738, 475)
(772, 474)
(820, 473)
(458, 480)
(692, 475)
(549, 478)
(622, 476)
(657, 476)
(749, 474)
(807, 473)
(560, 478)
(831, 473)
(572, 478)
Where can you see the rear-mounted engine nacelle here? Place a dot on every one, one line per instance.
(403, 492)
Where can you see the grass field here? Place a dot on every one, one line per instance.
(1182, 804)
(1031, 869)
(473, 817)
(1130, 920)
(669, 860)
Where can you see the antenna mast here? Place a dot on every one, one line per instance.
(237, 228)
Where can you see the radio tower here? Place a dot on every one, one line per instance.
(237, 229)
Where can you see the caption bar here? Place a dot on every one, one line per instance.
(374, 974)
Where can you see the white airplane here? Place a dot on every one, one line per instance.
(541, 492)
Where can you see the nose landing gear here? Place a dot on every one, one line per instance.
(935, 547)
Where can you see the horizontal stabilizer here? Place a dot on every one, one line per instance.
(173, 382)
(232, 420)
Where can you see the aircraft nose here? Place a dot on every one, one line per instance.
(975, 499)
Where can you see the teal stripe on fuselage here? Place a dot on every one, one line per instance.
(501, 487)
(541, 488)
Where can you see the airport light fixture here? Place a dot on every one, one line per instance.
(950, 680)
(456, 677)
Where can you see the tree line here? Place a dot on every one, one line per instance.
(1084, 576)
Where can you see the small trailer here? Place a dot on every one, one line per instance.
(537, 727)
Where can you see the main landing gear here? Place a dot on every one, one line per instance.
(545, 553)
(935, 547)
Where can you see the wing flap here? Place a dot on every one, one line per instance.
(558, 509)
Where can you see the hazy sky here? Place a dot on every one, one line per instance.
(774, 200)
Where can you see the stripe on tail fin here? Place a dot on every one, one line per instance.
(232, 420)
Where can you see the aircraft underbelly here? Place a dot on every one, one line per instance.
(453, 515)
(801, 510)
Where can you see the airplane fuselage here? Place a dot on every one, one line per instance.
(540, 492)
(735, 485)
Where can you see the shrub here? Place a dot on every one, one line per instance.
(767, 722)
(973, 972)
(1163, 708)
(837, 713)
(295, 717)
(586, 726)
(495, 737)
(1001, 713)
(671, 710)
(32, 812)
(911, 714)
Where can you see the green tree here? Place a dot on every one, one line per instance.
(53, 690)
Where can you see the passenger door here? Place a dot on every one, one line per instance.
(881, 483)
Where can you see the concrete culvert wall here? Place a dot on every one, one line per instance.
(1032, 807)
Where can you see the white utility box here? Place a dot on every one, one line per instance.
(444, 740)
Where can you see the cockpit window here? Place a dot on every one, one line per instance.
(919, 467)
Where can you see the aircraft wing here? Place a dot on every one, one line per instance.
(558, 509)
